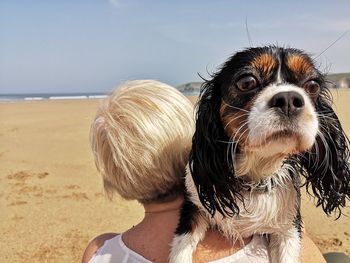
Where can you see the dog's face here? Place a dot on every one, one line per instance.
(266, 107)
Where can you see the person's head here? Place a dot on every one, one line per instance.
(141, 138)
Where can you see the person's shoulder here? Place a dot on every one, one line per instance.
(309, 251)
(95, 244)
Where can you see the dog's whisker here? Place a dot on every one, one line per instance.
(233, 119)
(233, 107)
(233, 138)
(237, 142)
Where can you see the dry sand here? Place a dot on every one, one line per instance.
(51, 197)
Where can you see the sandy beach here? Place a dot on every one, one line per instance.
(51, 196)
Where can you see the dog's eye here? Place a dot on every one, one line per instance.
(312, 87)
(247, 83)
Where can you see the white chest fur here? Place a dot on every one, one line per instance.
(263, 212)
(272, 211)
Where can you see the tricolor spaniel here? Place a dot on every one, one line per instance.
(263, 121)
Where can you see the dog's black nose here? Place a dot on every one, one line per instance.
(288, 103)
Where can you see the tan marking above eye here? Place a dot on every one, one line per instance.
(299, 64)
(265, 63)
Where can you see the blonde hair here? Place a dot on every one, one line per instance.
(141, 138)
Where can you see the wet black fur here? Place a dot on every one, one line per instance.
(187, 215)
(214, 174)
(328, 178)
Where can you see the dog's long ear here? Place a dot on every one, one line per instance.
(326, 166)
(212, 171)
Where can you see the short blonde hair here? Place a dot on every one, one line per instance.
(141, 138)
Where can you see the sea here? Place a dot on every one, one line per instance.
(59, 96)
(49, 96)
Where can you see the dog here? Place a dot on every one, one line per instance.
(264, 128)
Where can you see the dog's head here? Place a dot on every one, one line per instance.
(266, 107)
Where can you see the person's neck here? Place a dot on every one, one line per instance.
(163, 208)
(156, 229)
(158, 213)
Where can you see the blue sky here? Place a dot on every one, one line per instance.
(92, 45)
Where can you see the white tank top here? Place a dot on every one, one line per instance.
(115, 251)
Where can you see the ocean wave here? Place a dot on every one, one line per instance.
(34, 98)
(83, 97)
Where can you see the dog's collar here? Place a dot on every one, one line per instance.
(263, 186)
